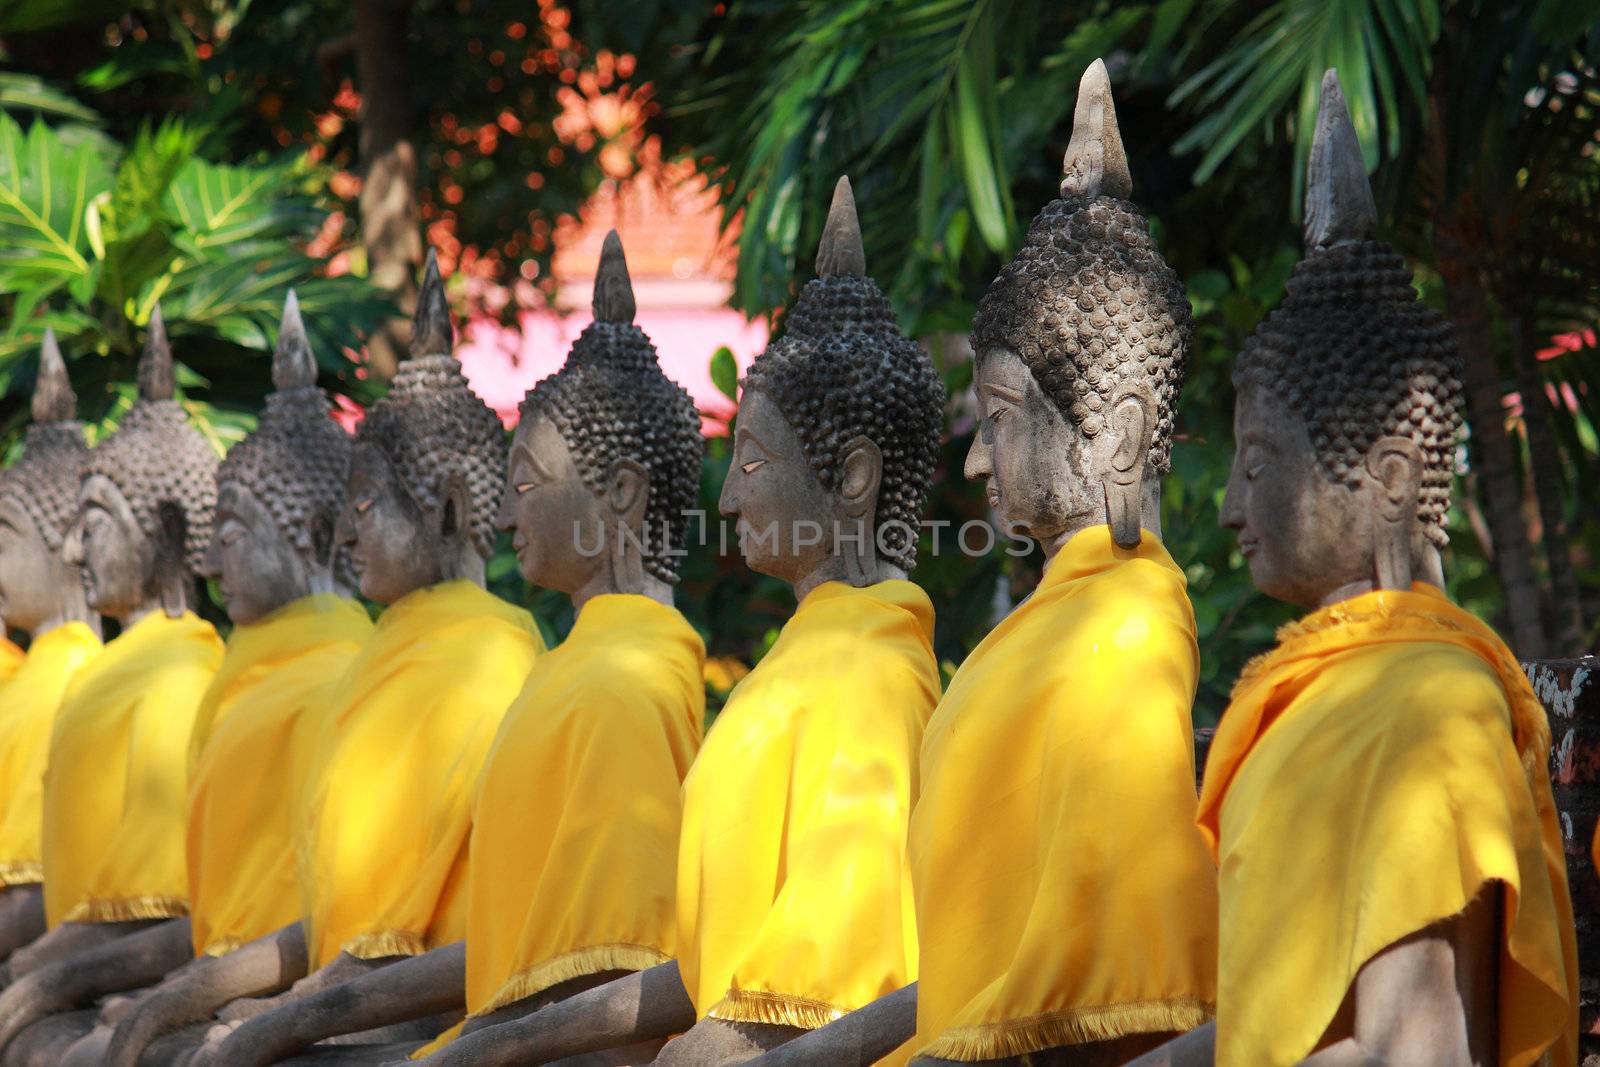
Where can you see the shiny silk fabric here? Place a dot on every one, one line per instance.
(794, 894)
(407, 731)
(1375, 771)
(575, 827)
(117, 779)
(251, 752)
(1063, 893)
(28, 707)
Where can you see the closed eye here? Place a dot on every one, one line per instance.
(752, 466)
(363, 506)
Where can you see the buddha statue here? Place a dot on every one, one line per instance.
(117, 771)
(42, 594)
(408, 725)
(604, 469)
(279, 493)
(1378, 784)
(805, 783)
(1087, 954)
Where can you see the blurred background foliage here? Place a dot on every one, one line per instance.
(1478, 118)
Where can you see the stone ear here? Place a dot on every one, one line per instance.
(1132, 424)
(455, 509)
(628, 490)
(323, 542)
(172, 575)
(861, 474)
(1395, 465)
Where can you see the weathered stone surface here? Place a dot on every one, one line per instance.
(1570, 692)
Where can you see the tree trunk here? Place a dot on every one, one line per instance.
(1566, 617)
(1466, 303)
(390, 220)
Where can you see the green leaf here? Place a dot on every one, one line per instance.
(20, 15)
(1271, 76)
(217, 206)
(725, 373)
(146, 173)
(26, 92)
(973, 121)
(45, 190)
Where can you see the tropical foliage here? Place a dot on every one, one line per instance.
(1480, 120)
(93, 236)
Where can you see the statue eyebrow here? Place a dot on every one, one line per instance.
(746, 435)
(1003, 393)
(525, 454)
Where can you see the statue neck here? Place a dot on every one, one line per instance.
(71, 602)
(72, 607)
(1426, 566)
(605, 583)
(1149, 518)
(464, 566)
(837, 568)
(129, 619)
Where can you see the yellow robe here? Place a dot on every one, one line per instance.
(28, 711)
(1063, 893)
(1372, 773)
(115, 785)
(794, 896)
(575, 826)
(251, 751)
(408, 728)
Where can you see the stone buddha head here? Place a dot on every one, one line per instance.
(1081, 344)
(605, 464)
(280, 490)
(838, 430)
(1349, 404)
(427, 467)
(39, 589)
(146, 501)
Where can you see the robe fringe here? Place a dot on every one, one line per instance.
(222, 946)
(380, 943)
(581, 963)
(1078, 1026)
(22, 873)
(775, 1009)
(127, 909)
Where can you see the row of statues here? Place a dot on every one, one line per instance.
(432, 839)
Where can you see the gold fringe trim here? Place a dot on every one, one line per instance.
(127, 910)
(381, 943)
(775, 1009)
(1076, 1026)
(23, 873)
(1530, 726)
(222, 946)
(581, 963)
